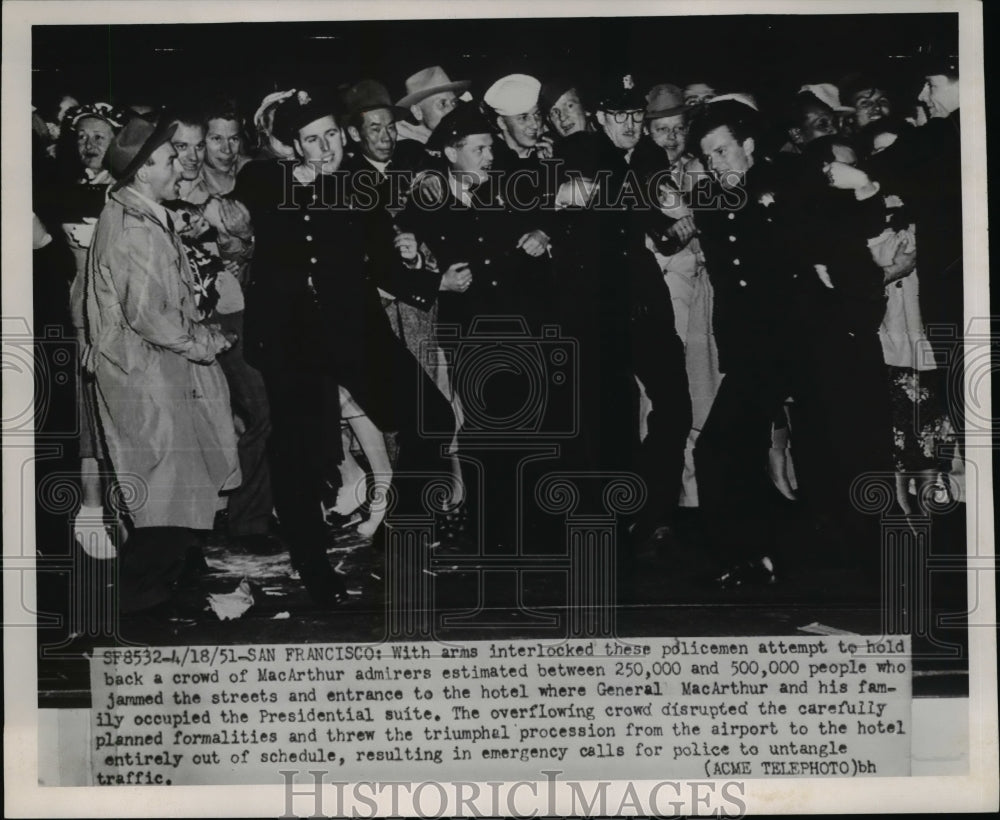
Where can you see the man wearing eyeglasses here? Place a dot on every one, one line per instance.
(621, 110)
(620, 115)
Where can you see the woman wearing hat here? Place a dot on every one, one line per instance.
(88, 131)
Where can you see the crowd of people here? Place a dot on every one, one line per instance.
(745, 293)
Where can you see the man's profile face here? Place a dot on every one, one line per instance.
(93, 136)
(472, 157)
(940, 95)
(726, 157)
(189, 142)
(222, 144)
(567, 114)
(377, 134)
(162, 173)
(433, 108)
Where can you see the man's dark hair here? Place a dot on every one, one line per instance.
(855, 83)
(222, 109)
(741, 120)
(191, 117)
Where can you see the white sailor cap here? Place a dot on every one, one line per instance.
(512, 95)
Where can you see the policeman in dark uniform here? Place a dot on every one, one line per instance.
(314, 321)
(745, 240)
(611, 298)
(496, 264)
(474, 229)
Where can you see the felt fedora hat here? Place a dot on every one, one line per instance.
(135, 144)
(429, 81)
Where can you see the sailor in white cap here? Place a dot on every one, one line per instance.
(514, 99)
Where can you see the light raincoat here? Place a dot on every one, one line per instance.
(162, 398)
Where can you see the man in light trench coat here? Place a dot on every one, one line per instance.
(162, 398)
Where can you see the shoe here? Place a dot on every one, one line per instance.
(91, 533)
(325, 587)
(258, 543)
(221, 523)
(756, 572)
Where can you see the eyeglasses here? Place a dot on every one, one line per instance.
(622, 117)
(675, 131)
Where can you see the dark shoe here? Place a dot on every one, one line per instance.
(258, 543)
(221, 523)
(757, 572)
(325, 587)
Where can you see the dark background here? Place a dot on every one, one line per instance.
(770, 55)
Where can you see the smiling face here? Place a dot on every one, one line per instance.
(670, 133)
(223, 144)
(567, 115)
(189, 141)
(870, 104)
(940, 95)
(93, 136)
(521, 131)
(321, 144)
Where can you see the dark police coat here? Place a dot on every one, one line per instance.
(747, 236)
(379, 199)
(505, 280)
(311, 298)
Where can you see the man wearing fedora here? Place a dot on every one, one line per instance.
(430, 95)
(379, 195)
(162, 397)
